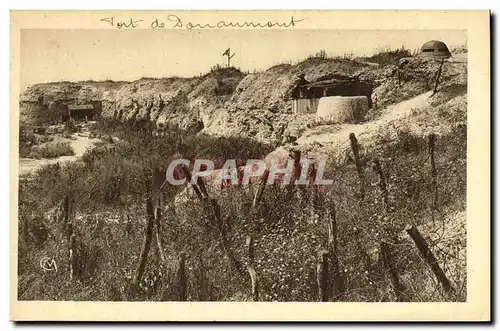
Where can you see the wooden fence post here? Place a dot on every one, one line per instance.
(68, 231)
(70, 238)
(429, 257)
(322, 276)
(333, 247)
(158, 234)
(260, 190)
(399, 287)
(72, 256)
(182, 281)
(194, 186)
(202, 279)
(157, 189)
(296, 172)
(128, 227)
(382, 183)
(214, 215)
(438, 76)
(432, 145)
(223, 235)
(148, 234)
(314, 197)
(357, 162)
(65, 217)
(251, 269)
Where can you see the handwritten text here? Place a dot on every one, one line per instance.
(174, 21)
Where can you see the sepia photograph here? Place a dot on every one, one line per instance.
(169, 159)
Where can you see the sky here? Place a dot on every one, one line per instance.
(50, 55)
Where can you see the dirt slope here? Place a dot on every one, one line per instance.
(226, 100)
(230, 102)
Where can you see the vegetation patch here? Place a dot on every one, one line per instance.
(109, 216)
(51, 150)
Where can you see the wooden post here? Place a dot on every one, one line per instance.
(438, 76)
(333, 248)
(201, 185)
(432, 144)
(357, 162)
(223, 236)
(203, 288)
(229, 57)
(260, 191)
(69, 236)
(297, 168)
(399, 287)
(148, 234)
(194, 186)
(72, 256)
(181, 278)
(128, 227)
(322, 275)
(158, 235)
(215, 216)
(251, 269)
(65, 216)
(382, 183)
(297, 171)
(314, 196)
(429, 257)
(158, 180)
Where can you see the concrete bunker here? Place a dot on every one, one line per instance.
(334, 97)
(435, 49)
(79, 112)
(343, 109)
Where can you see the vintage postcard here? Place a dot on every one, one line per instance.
(250, 165)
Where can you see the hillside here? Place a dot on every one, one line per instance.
(229, 102)
(406, 173)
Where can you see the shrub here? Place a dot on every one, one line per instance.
(389, 57)
(458, 49)
(178, 103)
(70, 126)
(51, 150)
(321, 54)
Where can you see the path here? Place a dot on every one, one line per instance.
(79, 145)
(336, 137)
